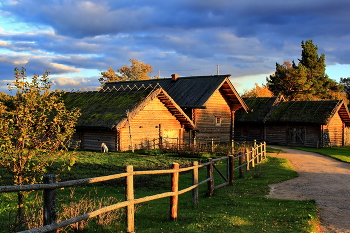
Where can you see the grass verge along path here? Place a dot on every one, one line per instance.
(340, 153)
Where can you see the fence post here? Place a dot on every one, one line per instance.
(129, 196)
(210, 175)
(130, 132)
(194, 182)
(232, 147)
(50, 214)
(247, 158)
(231, 168)
(253, 157)
(240, 163)
(174, 200)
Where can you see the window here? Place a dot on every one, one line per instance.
(217, 121)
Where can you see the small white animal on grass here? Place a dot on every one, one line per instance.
(104, 148)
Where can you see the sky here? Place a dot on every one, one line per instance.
(76, 40)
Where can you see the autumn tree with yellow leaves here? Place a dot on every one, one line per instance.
(258, 91)
(136, 71)
(35, 130)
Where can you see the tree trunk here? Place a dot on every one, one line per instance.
(20, 214)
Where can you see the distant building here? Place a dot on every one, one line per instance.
(294, 123)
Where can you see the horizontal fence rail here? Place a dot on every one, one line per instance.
(247, 158)
(210, 145)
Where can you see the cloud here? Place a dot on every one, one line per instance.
(65, 83)
(245, 17)
(244, 37)
(40, 65)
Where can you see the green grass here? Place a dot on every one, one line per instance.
(241, 207)
(340, 153)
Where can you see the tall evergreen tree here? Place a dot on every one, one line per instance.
(305, 81)
(346, 83)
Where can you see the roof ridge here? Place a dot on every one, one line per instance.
(130, 88)
(181, 77)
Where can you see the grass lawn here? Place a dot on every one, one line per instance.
(241, 207)
(340, 153)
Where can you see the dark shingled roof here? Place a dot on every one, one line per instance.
(107, 109)
(191, 92)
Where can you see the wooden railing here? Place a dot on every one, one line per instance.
(209, 145)
(246, 160)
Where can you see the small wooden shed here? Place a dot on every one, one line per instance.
(298, 123)
(126, 117)
(209, 101)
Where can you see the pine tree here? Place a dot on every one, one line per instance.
(346, 83)
(305, 81)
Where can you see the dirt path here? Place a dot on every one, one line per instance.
(323, 179)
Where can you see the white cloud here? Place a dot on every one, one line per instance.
(244, 37)
(67, 82)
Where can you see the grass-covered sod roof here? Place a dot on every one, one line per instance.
(105, 109)
(313, 112)
(110, 109)
(276, 111)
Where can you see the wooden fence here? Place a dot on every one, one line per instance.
(209, 145)
(246, 160)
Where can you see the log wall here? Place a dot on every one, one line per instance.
(347, 136)
(313, 136)
(276, 134)
(92, 139)
(205, 119)
(335, 130)
(249, 133)
(152, 122)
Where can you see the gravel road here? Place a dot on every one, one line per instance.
(323, 179)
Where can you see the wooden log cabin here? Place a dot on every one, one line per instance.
(126, 117)
(209, 101)
(186, 109)
(295, 123)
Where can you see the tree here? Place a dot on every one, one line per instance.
(258, 91)
(137, 71)
(289, 81)
(346, 83)
(305, 81)
(35, 130)
(110, 76)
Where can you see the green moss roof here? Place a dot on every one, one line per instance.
(313, 112)
(271, 110)
(259, 107)
(104, 109)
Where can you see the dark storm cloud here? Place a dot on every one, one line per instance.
(246, 17)
(245, 37)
